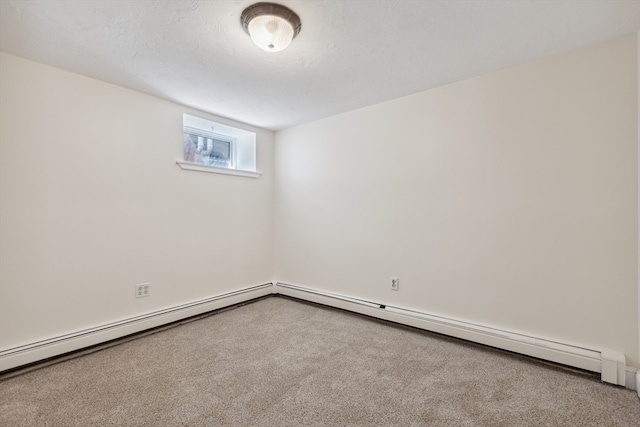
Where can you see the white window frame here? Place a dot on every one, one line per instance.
(242, 147)
(205, 143)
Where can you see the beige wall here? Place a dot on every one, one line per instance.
(92, 202)
(510, 200)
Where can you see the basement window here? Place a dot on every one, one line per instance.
(209, 146)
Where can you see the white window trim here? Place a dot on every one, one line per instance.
(243, 148)
(199, 167)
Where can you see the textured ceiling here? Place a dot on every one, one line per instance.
(349, 54)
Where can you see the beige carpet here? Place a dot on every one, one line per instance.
(281, 362)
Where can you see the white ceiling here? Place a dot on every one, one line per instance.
(349, 54)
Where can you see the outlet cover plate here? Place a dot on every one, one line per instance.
(143, 290)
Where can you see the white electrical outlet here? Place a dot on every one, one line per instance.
(394, 283)
(143, 290)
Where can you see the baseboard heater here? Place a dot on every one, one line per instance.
(40, 350)
(610, 364)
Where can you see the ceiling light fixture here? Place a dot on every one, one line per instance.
(271, 26)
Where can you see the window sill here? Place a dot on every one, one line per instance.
(213, 169)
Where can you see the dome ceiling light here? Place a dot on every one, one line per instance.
(271, 26)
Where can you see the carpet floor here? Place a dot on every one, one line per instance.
(282, 362)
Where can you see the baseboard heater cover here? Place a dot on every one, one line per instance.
(610, 364)
(55, 346)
